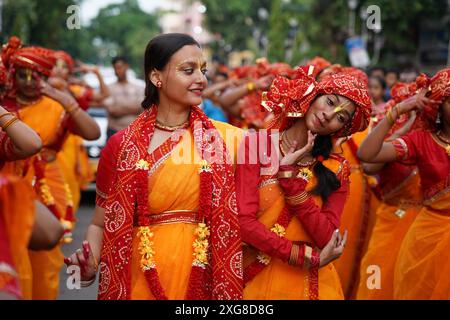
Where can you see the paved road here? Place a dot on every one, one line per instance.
(84, 216)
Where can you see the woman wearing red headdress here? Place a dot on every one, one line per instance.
(422, 259)
(51, 113)
(165, 225)
(290, 215)
(73, 157)
(399, 187)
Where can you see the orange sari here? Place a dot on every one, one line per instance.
(48, 118)
(358, 218)
(395, 215)
(74, 163)
(173, 191)
(423, 261)
(18, 213)
(279, 280)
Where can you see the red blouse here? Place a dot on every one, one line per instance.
(107, 167)
(420, 148)
(319, 222)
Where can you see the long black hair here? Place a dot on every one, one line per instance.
(327, 181)
(157, 54)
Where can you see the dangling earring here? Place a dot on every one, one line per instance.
(158, 84)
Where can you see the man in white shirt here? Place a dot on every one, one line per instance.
(124, 102)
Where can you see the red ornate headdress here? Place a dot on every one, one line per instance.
(399, 92)
(438, 88)
(66, 57)
(289, 99)
(38, 59)
(251, 111)
(319, 64)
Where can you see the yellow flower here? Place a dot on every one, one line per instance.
(263, 258)
(305, 173)
(142, 164)
(204, 166)
(44, 191)
(279, 230)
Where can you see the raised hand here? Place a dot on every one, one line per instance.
(417, 102)
(64, 98)
(293, 155)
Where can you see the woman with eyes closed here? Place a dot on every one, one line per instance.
(290, 214)
(165, 229)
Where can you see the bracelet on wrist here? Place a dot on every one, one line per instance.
(87, 283)
(9, 123)
(285, 174)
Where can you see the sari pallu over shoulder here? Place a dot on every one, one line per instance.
(226, 255)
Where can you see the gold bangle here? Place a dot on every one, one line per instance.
(73, 110)
(389, 118)
(297, 199)
(250, 86)
(285, 174)
(10, 122)
(6, 114)
(308, 254)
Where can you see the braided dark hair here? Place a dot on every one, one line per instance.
(327, 181)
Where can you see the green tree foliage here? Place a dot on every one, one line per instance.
(323, 26)
(123, 29)
(235, 22)
(119, 29)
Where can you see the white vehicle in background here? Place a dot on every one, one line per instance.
(95, 147)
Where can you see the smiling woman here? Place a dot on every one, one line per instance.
(166, 210)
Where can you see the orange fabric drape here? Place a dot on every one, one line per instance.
(280, 280)
(387, 237)
(358, 218)
(17, 208)
(423, 260)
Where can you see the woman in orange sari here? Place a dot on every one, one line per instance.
(50, 113)
(165, 225)
(21, 225)
(288, 215)
(422, 259)
(399, 188)
(17, 141)
(73, 158)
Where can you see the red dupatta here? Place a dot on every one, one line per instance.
(225, 258)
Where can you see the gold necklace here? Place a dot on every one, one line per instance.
(163, 127)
